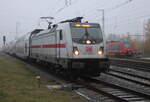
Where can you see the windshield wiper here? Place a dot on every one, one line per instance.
(86, 36)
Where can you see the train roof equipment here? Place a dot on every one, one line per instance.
(77, 19)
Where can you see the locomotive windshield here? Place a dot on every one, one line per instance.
(127, 45)
(82, 32)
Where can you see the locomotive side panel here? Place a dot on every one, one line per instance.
(41, 47)
(66, 41)
(48, 47)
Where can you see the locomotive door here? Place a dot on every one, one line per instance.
(25, 49)
(58, 39)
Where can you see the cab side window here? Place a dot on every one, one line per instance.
(60, 34)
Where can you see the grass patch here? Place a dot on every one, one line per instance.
(18, 84)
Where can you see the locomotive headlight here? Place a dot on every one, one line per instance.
(88, 42)
(76, 51)
(101, 51)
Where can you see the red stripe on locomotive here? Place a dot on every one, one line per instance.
(49, 46)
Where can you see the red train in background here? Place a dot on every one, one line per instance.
(122, 48)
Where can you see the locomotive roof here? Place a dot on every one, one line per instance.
(42, 32)
(77, 19)
(39, 32)
(36, 31)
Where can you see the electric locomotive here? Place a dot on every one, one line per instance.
(71, 47)
(120, 48)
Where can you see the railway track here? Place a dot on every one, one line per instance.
(130, 77)
(131, 59)
(116, 92)
(139, 65)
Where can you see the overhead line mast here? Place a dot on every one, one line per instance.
(68, 2)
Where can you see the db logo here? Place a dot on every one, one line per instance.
(89, 49)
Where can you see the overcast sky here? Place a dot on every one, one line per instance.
(121, 16)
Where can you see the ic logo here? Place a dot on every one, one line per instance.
(89, 49)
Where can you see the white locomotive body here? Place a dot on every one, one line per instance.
(74, 47)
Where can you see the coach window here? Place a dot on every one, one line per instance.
(61, 36)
